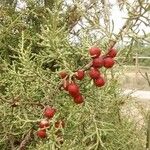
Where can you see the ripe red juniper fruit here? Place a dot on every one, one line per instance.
(41, 133)
(94, 73)
(95, 52)
(73, 89)
(44, 123)
(49, 112)
(112, 53)
(108, 62)
(98, 62)
(63, 74)
(79, 74)
(59, 124)
(79, 99)
(99, 82)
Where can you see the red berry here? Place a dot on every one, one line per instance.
(41, 133)
(99, 82)
(95, 52)
(73, 89)
(44, 123)
(112, 53)
(98, 62)
(63, 74)
(79, 99)
(65, 84)
(108, 62)
(94, 73)
(59, 124)
(79, 74)
(49, 112)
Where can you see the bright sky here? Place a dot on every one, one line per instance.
(119, 18)
(116, 15)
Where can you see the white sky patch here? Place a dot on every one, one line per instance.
(118, 17)
(21, 5)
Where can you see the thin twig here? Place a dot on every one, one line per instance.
(26, 140)
(11, 140)
(147, 77)
(148, 133)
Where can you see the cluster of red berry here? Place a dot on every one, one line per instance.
(98, 61)
(44, 124)
(73, 89)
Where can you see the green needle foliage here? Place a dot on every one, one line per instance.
(36, 43)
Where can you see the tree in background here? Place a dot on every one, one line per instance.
(46, 37)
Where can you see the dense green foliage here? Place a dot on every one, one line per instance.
(35, 44)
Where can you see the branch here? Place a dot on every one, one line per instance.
(106, 15)
(148, 133)
(146, 77)
(11, 140)
(26, 140)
